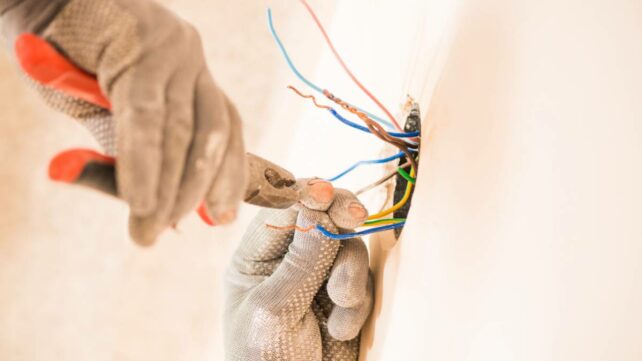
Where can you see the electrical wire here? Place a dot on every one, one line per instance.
(372, 127)
(346, 121)
(363, 162)
(402, 172)
(381, 181)
(342, 236)
(375, 128)
(384, 221)
(345, 67)
(296, 72)
(290, 228)
(307, 96)
(366, 232)
(397, 206)
(367, 130)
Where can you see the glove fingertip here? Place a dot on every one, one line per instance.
(143, 231)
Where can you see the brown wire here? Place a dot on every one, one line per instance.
(290, 228)
(375, 128)
(314, 100)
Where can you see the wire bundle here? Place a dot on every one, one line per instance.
(406, 142)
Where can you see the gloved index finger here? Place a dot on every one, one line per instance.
(289, 291)
(270, 233)
(266, 239)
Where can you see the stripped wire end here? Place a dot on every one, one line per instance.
(314, 99)
(341, 236)
(291, 228)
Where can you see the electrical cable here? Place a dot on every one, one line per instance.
(375, 128)
(402, 172)
(381, 181)
(290, 228)
(363, 162)
(397, 206)
(337, 236)
(345, 67)
(346, 121)
(296, 72)
(383, 221)
(308, 96)
(365, 129)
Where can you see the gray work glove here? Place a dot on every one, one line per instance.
(177, 136)
(295, 295)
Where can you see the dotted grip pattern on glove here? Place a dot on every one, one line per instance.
(99, 37)
(294, 295)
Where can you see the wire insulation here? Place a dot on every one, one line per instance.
(344, 120)
(363, 162)
(345, 67)
(365, 129)
(384, 221)
(296, 72)
(336, 236)
(402, 172)
(397, 206)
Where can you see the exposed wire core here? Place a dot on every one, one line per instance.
(407, 142)
(298, 74)
(291, 228)
(375, 128)
(314, 100)
(346, 121)
(345, 67)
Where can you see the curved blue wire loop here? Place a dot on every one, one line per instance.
(362, 162)
(329, 234)
(365, 129)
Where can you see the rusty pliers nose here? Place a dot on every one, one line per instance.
(269, 185)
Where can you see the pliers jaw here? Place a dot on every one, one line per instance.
(270, 185)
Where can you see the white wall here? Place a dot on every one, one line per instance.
(523, 243)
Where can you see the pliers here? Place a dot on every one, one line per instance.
(269, 184)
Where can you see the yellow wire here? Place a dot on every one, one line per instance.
(382, 223)
(397, 206)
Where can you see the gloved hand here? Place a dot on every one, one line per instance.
(296, 294)
(178, 137)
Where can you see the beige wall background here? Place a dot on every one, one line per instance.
(524, 240)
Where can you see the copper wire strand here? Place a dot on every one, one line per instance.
(374, 127)
(347, 69)
(381, 181)
(314, 100)
(291, 228)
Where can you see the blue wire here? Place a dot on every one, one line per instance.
(286, 56)
(362, 162)
(358, 234)
(303, 79)
(365, 129)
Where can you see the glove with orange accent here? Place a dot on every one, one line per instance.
(176, 136)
